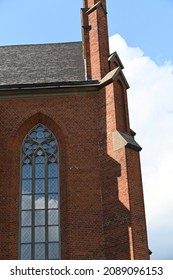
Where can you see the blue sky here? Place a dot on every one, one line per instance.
(141, 32)
(145, 23)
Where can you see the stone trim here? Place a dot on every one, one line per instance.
(38, 92)
(110, 77)
(122, 139)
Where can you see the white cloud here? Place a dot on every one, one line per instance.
(151, 115)
(40, 202)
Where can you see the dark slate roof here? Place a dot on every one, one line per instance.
(44, 63)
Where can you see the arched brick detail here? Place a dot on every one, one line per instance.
(121, 107)
(14, 145)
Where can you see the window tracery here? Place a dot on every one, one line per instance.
(39, 228)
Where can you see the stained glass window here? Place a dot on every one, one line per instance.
(39, 219)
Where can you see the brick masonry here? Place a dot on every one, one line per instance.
(101, 206)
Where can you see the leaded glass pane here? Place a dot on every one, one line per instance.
(28, 151)
(40, 152)
(39, 159)
(40, 135)
(39, 234)
(26, 202)
(52, 158)
(52, 170)
(26, 251)
(40, 128)
(26, 218)
(47, 134)
(27, 160)
(39, 251)
(33, 134)
(40, 201)
(40, 170)
(39, 217)
(53, 217)
(26, 186)
(52, 201)
(53, 251)
(45, 146)
(27, 171)
(39, 185)
(26, 235)
(53, 233)
(53, 143)
(52, 185)
(51, 149)
(39, 195)
(26, 145)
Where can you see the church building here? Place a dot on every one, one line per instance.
(70, 175)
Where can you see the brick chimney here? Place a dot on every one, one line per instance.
(95, 39)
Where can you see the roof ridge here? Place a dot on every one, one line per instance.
(41, 44)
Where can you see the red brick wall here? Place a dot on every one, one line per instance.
(121, 107)
(136, 201)
(102, 210)
(96, 41)
(123, 208)
(73, 120)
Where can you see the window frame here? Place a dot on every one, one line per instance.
(47, 225)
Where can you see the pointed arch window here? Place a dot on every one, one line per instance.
(39, 210)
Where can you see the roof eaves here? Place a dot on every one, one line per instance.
(49, 90)
(69, 84)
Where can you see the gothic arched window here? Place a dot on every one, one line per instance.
(39, 210)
